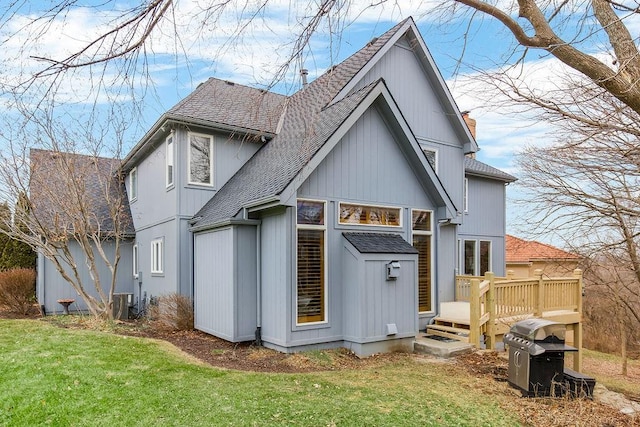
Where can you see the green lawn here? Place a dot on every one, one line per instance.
(67, 377)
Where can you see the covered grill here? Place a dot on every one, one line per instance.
(536, 356)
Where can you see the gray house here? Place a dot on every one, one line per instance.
(333, 217)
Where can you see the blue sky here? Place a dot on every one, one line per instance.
(176, 65)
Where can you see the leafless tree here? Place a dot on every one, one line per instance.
(567, 30)
(75, 213)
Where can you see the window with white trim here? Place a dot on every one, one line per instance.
(135, 260)
(465, 195)
(157, 256)
(133, 184)
(422, 234)
(311, 289)
(169, 161)
(469, 257)
(353, 214)
(200, 159)
(485, 256)
(432, 157)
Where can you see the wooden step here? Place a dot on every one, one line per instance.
(456, 323)
(457, 334)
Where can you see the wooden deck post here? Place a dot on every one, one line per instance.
(540, 304)
(577, 327)
(474, 315)
(490, 338)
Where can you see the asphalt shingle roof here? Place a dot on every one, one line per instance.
(307, 124)
(57, 179)
(232, 104)
(476, 167)
(379, 243)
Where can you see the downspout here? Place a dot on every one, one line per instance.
(258, 287)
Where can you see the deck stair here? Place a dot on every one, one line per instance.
(452, 322)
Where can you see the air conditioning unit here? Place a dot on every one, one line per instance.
(121, 304)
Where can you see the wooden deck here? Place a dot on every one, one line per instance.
(488, 306)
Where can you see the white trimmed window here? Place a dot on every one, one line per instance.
(469, 257)
(200, 159)
(169, 161)
(485, 256)
(133, 184)
(369, 215)
(432, 157)
(157, 247)
(465, 195)
(422, 234)
(135, 260)
(311, 289)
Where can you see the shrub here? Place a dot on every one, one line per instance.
(172, 312)
(18, 290)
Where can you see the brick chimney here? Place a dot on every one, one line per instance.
(471, 123)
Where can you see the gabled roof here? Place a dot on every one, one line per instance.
(520, 250)
(58, 178)
(477, 168)
(307, 123)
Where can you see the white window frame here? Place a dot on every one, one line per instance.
(157, 256)
(357, 224)
(464, 257)
(211, 157)
(490, 255)
(435, 156)
(325, 262)
(426, 233)
(135, 260)
(133, 184)
(170, 161)
(466, 195)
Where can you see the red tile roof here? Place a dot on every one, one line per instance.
(519, 250)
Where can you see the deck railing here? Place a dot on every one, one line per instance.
(497, 302)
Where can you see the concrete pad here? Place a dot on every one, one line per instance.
(445, 349)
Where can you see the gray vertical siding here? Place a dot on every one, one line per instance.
(214, 279)
(276, 267)
(167, 282)
(413, 90)
(57, 288)
(225, 282)
(372, 302)
(486, 218)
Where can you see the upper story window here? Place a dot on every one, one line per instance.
(432, 158)
(169, 160)
(133, 184)
(465, 195)
(369, 215)
(200, 159)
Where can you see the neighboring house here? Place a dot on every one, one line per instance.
(333, 217)
(52, 204)
(526, 256)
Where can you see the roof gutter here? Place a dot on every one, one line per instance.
(225, 223)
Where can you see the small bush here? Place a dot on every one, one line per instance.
(18, 290)
(172, 312)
